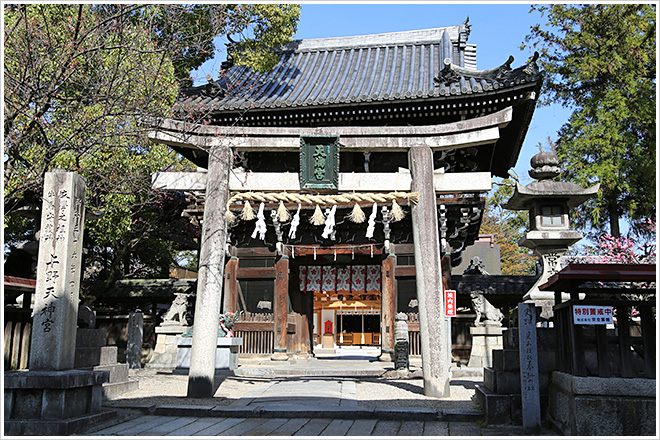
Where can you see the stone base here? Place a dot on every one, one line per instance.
(51, 401)
(226, 354)
(165, 352)
(484, 340)
(279, 356)
(57, 427)
(590, 406)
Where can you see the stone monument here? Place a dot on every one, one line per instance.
(52, 398)
(176, 321)
(135, 337)
(487, 330)
(549, 203)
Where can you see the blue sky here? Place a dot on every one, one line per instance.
(498, 30)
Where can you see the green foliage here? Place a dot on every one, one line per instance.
(262, 28)
(508, 228)
(600, 61)
(187, 31)
(79, 79)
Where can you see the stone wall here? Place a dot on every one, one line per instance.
(586, 406)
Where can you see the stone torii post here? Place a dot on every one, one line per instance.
(419, 142)
(210, 274)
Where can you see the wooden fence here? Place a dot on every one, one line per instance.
(257, 331)
(18, 330)
(628, 350)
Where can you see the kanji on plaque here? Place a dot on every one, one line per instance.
(592, 315)
(450, 303)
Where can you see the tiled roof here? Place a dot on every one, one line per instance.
(393, 67)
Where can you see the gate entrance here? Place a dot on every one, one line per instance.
(346, 295)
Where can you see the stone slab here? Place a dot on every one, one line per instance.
(54, 379)
(461, 415)
(508, 382)
(91, 337)
(111, 390)
(93, 356)
(56, 427)
(296, 411)
(509, 360)
(226, 355)
(171, 329)
(601, 386)
(628, 411)
(545, 337)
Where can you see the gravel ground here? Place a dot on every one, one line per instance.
(166, 388)
(410, 392)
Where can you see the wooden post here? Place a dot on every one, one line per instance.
(387, 309)
(210, 275)
(231, 286)
(280, 308)
(433, 326)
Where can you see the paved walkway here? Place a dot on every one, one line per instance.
(324, 398)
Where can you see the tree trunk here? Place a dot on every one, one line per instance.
(613, 211)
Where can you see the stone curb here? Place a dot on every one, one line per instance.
(461, 415)
(288, 411)
(304, 372)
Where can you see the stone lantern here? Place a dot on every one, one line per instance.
(549, 203)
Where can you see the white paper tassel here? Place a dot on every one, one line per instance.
(260, 226)
(372, 222)
(329, 222)
(294, 224)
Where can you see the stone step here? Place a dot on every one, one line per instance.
(118, 372)
(509, 360)
(544, 335)
(504, 409)
(111, 390)
(508, 382)
(93, 356)
(91, 337)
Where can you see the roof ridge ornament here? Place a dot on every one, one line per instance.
(213, 89)
(452, 73)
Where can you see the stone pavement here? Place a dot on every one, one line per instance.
(300, 398)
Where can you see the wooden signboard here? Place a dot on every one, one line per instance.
(319, 162)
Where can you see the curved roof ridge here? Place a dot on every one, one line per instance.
(422, 36)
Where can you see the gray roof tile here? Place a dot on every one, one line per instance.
(382, 67)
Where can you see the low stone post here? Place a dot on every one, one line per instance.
(135, 335)
(402, 342)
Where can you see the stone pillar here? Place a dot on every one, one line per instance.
(529, 371)
(135, 335)
(402, 342)
(433, 326)
(231, 286)
(210, 275)
(387, 309)
(281, 308)
(53, 343)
